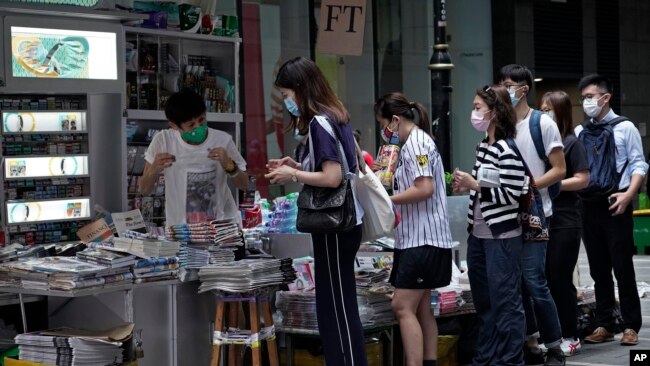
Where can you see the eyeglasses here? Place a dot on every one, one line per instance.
(510, 86)
(589, 96)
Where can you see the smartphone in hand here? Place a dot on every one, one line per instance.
(611, 200)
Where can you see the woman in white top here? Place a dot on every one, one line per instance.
(422, 258)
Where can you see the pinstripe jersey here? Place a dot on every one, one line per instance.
(424, 222)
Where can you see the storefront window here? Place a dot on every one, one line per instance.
(275, 31)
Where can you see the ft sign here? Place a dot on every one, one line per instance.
(342, 23)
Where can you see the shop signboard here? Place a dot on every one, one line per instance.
(342, 26)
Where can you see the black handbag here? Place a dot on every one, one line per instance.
(324, 210)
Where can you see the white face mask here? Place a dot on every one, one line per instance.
(591, 107)
(550, 114)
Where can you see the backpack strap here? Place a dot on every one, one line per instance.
(617, 120)
(326, 124)
(587, 123)
(535, 127)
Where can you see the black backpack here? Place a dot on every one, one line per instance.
(601, 155)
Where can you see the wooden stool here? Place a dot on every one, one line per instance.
(257, 333)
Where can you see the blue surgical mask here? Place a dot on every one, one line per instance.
(297, 136)
(292, 107)
(513, 98)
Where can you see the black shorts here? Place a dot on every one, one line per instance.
(425, 267)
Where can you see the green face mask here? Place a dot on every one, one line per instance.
(196, 135)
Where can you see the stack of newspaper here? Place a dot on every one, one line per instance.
(9, 252)
(200, 255)
(298, 309)
(220, 254)
(194, 256)
(246, 275)
(146, 248)
(16, 251)
(155, 269)
(375, 309)
(106, 257)
(368, 278)
(63, 273)
(66, 346)
(221, 232)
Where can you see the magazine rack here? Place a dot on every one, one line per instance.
(233, 337)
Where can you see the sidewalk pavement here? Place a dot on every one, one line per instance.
(612, 353)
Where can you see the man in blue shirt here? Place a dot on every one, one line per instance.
(607, 221)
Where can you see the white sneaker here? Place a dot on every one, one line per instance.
(542, 347)
(570, 347)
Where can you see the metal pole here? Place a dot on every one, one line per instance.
(440, 66)
(22, 311)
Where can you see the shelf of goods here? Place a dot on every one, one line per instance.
(46, 176)
(159, 63)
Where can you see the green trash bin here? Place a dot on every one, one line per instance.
(641, 233)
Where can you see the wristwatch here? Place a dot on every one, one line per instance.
(294, 177)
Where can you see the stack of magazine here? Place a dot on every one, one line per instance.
(220, 232)
(246, 275)
(156, 269)
(66, 346)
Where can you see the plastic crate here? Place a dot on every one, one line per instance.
(447, 350)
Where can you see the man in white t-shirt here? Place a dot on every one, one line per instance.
(519, 82)
(197, 162)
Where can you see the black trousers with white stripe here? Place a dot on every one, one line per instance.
(336, 298)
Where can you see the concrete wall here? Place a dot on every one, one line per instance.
(514, 43)
(471, 53)
(635, 59)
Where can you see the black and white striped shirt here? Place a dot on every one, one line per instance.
(499, 206)
(424, 222)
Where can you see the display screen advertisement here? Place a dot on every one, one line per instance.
(21, 122)
(63, 54)
(56, 166)
(70, 209)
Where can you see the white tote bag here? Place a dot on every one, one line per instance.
(378, 217)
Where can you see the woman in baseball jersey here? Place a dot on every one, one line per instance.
(422, 258)
(495, 243)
